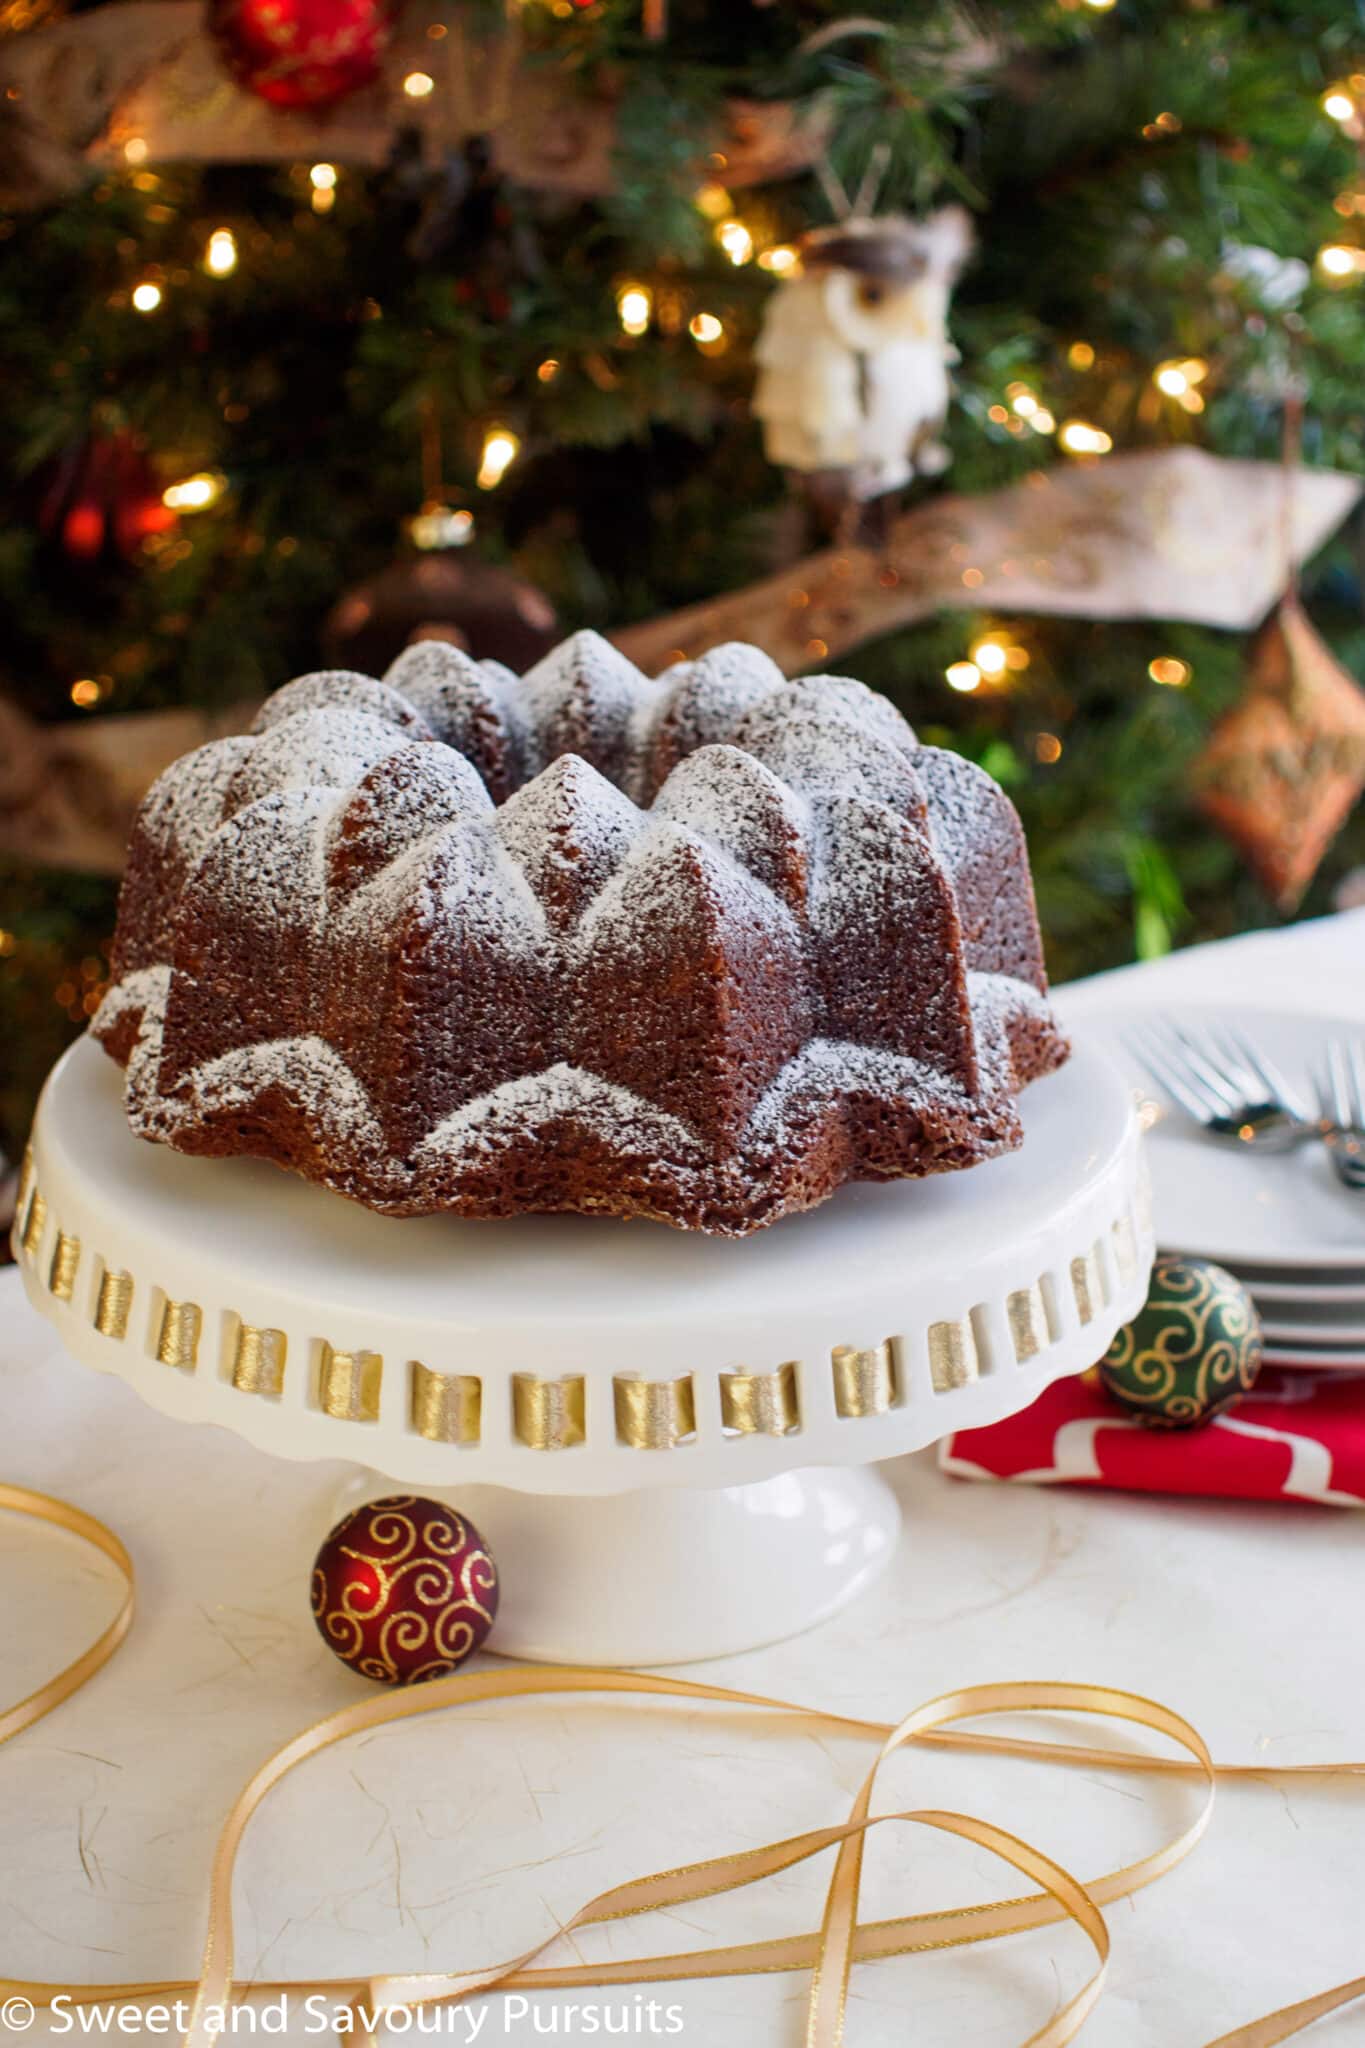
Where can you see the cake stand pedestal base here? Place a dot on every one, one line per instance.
(670, 1575)
(665, 1437)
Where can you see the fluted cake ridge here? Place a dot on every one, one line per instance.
(699, 948)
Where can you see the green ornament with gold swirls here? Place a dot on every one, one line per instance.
(1193, 1350)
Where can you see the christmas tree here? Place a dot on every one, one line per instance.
(317, 336)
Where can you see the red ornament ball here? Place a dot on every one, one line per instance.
(404, 1590)
(302, 53)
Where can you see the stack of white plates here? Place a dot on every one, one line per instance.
(1282, 1222)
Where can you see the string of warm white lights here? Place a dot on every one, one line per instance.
(996, 655)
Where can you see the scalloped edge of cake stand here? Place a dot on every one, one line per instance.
(658, 1433)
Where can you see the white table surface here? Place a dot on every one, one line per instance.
(462, 1838)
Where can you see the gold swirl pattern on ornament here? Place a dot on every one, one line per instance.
(760, 1403)
(113, 1304)
(177, 1342)
(864, 1381)
(258, 1360)
(1225, 1362)
(440, 1605)
(953, 1358)
(548, 1415)
(447, 1407)
(66, 1259)
(349, 1384)
(653, 1415)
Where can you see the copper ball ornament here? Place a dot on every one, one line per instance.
(1191, 1352)
(404, 1589)
(449, 595)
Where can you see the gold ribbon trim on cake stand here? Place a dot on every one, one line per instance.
(178, 1341)
(1125, 1250)
(35, 1223)
(760, 1403)
(114, 1304)
(864, 1381)
(548, 1415)
(25, 1180)
(953, 1360)
(653, 1415)
(447, 1407)
(828, 1953)
(1087, 1286)
(61, 1274)
(1027, 1315)
(349, 1383)
(258, 1360)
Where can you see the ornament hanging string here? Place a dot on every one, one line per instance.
(828, 1954)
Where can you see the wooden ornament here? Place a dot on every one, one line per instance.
(1285, 768)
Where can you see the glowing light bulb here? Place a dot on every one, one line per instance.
(1337, 260)
(736, 241)
(705, 329)
(500, 450)
(1081, 356)
(634, 307)
(991, 657)
(548, 370)
(323, 179)
(713, 200)
(1338, 104)
(146, 297)
(438, 525)
(1078, 437)
(1042, 421)
(85, 693)
(135, 150)
(781, 259)
(220, 253)
(963, 675)
(419, 85)
(195, 493)
(1170, 672)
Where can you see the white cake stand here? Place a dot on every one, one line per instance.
(663, 1436)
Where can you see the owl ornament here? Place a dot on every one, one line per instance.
(853, 355)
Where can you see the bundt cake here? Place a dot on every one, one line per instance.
(700, 948)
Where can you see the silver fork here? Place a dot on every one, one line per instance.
(1232, 1089)
(1341, 1099)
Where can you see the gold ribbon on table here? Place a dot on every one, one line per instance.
(828, 1954)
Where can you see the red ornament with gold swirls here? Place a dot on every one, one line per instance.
(404, 1590)
(302, 53)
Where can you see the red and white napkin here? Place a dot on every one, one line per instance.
(1299, 1436)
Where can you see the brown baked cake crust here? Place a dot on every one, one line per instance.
(700, 948)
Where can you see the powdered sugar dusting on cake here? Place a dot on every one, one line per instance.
(515, 1111)
(794, 824)
(319, 749)
(185, 806)
(341, 689)
(730, 799)
(658, 885)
